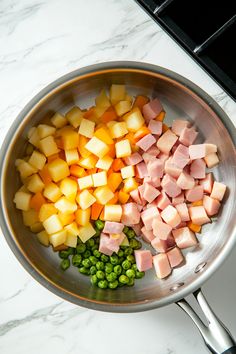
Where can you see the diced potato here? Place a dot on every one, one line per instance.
(74, 116)
(65, 206)
(34, 138)
(70, 139)
(85, 199)
(45, 130)
(22, 200)
(86, 232)
(48, 146)
(82, 217)
(102, 100)
(104, 135)
(128, 98)
(127, 171)
(58, 238)
(30, 217)
(211, 160)
(53, 224)
(85, 182)
(43, 238)
(35, 184)
(29, 149)
(117, 93)
(82, 150)
(69, 188)
(58, 120)
(134, 120)
(88, 162)
(46, 210)
(103, 194)
(97, 147)
(118, 130)
(97, 113)
(66, 219)
(104, 163)
(37, 227)
(72, 156)
(111, 123)
(72, 229)
(130, 184)
(123, 107)
(25, 169)
(58, 169)
(71, 240)
(123, 148)
(114, 180)
(112, 212)
(99, 179)
(52, 192)
(86, 128)
(37, 160)
(31, 132)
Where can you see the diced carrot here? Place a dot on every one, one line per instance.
(52, 157)
(117, 165)
(161, 116)
(66, 219)
(45, 175)
(89, 113)
(92, 170)
(112, 151)
(165, 128)
(140, 101)
(110, 171)
(108, 115)
(74, 178)
(123, 197)
(114, 200)
(114, 180)
(141, 133)
(130, 137)
(101, 217)
(96, 210)
(77, 171)
(197, 203)
(194, 227)
(60, 248)
(62, 155)
(37, 201)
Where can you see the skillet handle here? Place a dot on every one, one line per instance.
(216, 336)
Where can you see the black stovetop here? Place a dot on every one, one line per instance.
(206, 29)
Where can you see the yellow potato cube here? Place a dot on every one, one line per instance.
(37, 160)
(111, 123)
(104, 135)
(129, 185)
(22, 200)
(134, 120)
(72, 229)
(43, 238)
(88, 162)
(82, 217)
(35, 184)
(25, 169)
(123, 148)
(69, 188)
(34, 138)
(86, 128)
(85, 199)
(97, 147)
(71, 240)
(112, 212)
(102, 100)
(117, 93)
(99, 179)
(70, 139)
(52, 192)
(58, 169)
(128, 98)
(30, 217)
(85, 182)
(48, 146)
(123, 107)
(72, 156)
(118, 130)
(66, 219)
(86, 232)
(58, 238)
(29, 149)
(45, 130)
(103, 194)
(104, 163)
(58, 120)
(46, 210)
(52, 225)
(37, 227)
(98, 112)
(127, 171)
(74, 116)
(65, 206)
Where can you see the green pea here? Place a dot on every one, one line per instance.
(81, 248)
(120, 253)
(131, 258)
(87, 254)
(118, 269)
(97, 238)
(65, 264)
(131, 234)
(125, 230)
(99, 224)
(130, 282)
(139, 275)
(76, 260)
(97, 234)
(135, 244)
(93, 260)
(123, 279)
(126, 264)
(94, 279)
(95, 247)
(93, 270)
(128, 251)
(134, 267)
(111, 277)
(113, 284)
(96, 253)
(121, 259)
(84, 270)
(123, 272)
(103, 284)
(100, 275)
(114, 259)
(108, 268)
(130, 273)
(100, 265)
(90, 243)
(104, 258)
(65, 253)
(86, 263)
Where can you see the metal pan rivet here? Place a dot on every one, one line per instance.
(176, 286)
(200, 267)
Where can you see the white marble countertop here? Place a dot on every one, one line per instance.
(40, 41)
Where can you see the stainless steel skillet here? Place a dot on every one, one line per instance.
(181, 98)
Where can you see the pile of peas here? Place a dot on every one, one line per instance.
(105, 271)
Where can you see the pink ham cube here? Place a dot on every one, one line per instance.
(152, 204)
(178, 126)
(198, 215)
(148, 215)
(135, 196)
(133, 159)
(146, 142)
(163, 201)
(152, 109)
(141, 170)
(147, 235)
(137, 229)
(170, 186)
(113, 227)
(155, 168)
(194, 194)
(161, 265)
(187, 136)
(211, 205)
(178, 200)
(141, 191)
(183, 211)
(171, 169)
(159, 245)
(175, 257)
(197, 151)
(184, 237)
(198, 169)
(130, 214)
(155, 127)
(163, 157)
(181, 156)
(153, 150)
(218, 191)
(143, 260)
(148, 157)
(182, 224)
(150, 193)
(185, 181)
(154, 181)
(108, 245)
(160, 229)
(171, 216)
(166, 141)
(170, 242)
(211, 160)
(207, 183)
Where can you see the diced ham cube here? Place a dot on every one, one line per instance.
(135, 196)
(107, 245)
(181, 156)
(218, 190)
(178, 126)
(150, 193)
(163, 157)
(159, 245)
(143, 260)
(185, 181)
(133, 159)
(194, 194)
(152, 204)
(146, 142)
(210, 148)
(211, 205)
(155, 168)
(171, 169)
(141, 170)
(154, 181)
(161, 265)
(148, 215)
(184, 237)
(170, 186)
(183, 211)
(198, 215)
(211, 160)
(130, 214)
(141, 191)
(175, 257)
(155, 127)
(197, 151)
(152, 109)
(207, 183)
(160, 229)
(187, 136)
(166, 141)
(147, 235)
(198, 169)
(163, 201)
(113, 227)
(170, 242)
(137, 229)
(178, 200)
(182, 224)
(148, 157)
(153, 150)
(171, 216)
